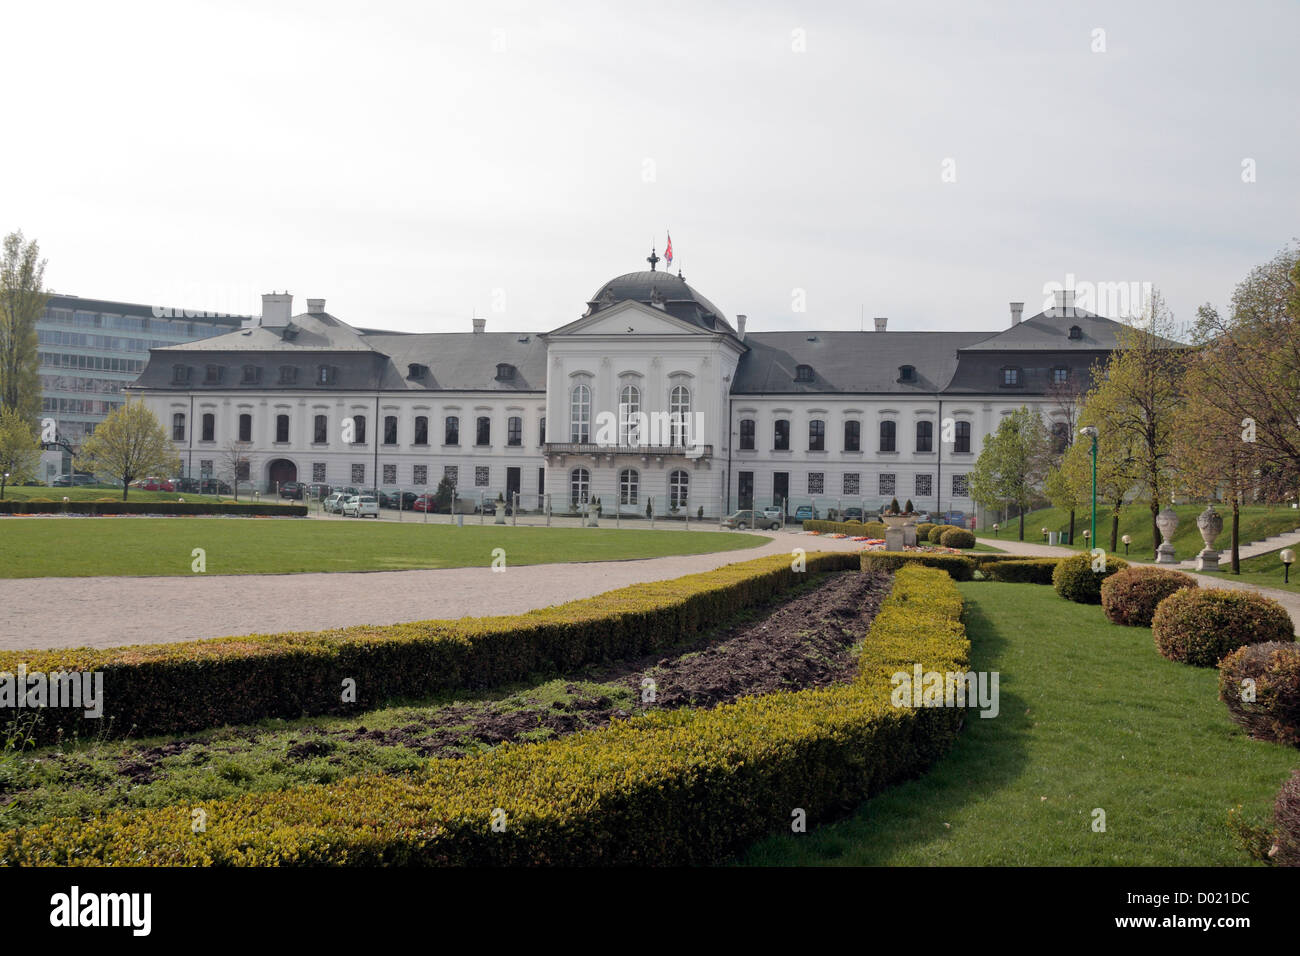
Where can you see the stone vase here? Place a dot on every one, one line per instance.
(1167, 522)
(501, 513)
(906, 524)
(1210, 524)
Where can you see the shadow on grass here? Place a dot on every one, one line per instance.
(986, 756)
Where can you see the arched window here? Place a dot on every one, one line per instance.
(747, 434)
(679, 486)
(816, 435)
(282, 428)
(629, 409)
(421, 430)
(963, 437)
(209, 427)
(781, 435)
(629, 484)
(245, 427)
(451, 431)
(541, 432)
(580, 414)
(888, 436)
(579, 484)
(320, 430)
(925, 436)
(178, 426)
(853, 435)
(483, 430)
(359, 430)
(514, 430)
(679, 408)
(390, 429)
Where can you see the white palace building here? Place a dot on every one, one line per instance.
(753, 419)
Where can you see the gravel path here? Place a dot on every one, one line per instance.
(39, 613)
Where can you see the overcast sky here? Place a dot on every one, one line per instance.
(413, 163)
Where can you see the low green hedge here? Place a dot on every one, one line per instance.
(119, 507)
(680, 787)
(855, 529)
(168, 688)
(958, 566)
(1022, 571)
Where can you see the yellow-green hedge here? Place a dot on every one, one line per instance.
(171, 688)
(959, 566)
(672, 788)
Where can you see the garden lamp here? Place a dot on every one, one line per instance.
(995, 529)
(1127, 539)
(1044, 536)
(1288, 556)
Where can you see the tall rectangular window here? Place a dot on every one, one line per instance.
(209, 427)
(483, 431)
(390, 429)
(924, 436)
(320, 430)
(245, 427)
(781, 435)
(451, 431)
(747, 434)
(178, 426)
(816, 435)
(853, 435)
(358, 429)
(963, 437)
(514, 430)
(421, 430)
(282, 428)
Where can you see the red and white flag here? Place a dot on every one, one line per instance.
(668, 251)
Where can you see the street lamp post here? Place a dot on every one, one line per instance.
(1091, 432)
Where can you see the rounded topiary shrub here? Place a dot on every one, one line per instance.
(1286, 814)
(1075, 580)
(853, 521)
(1131, 596)
(957, 538)
(1260, 684)
(923, 530)
(1201, 626)
(874, 529)
(937, 532)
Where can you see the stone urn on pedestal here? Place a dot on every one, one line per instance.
(1210, 523)
(1167, 522)
(900, 529)
(501, 512)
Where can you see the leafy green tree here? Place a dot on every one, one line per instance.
(20, 452)
(1249, 367)
(1062, 494)
(1114, 465)
(130, 443)
(1013, 463)
(442, 496)
(1136, 402)
(22, 302)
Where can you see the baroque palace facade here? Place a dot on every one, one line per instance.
(652, 397)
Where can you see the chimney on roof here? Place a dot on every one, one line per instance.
(740, 326)
(881, 322)
(1065, 302)
(480, 325)
(277, 308)
(1017, 309)
(316, 306)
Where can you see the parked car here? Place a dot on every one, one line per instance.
(773, 513)
(923, 518)
(316, 491)
(291, 489)
(742, 520)
(358, 506)
(186, 485)
(389, 499)
(805, 513)
(154, 483)
(213, 486)
(852, 514)
(427, 502)
(957, 518)
(333, 503)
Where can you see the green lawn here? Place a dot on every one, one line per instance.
(28, 492)
(1257, 522)
(1264, 569)
(1091, 717)
(78, 547)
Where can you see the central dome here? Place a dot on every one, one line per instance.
(660, 290)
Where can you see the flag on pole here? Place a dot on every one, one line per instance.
(668, 251)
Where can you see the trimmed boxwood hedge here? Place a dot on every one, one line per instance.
(957, 538)
(169, 688)
(119, 507)
(677, 787)
(1130, 597)
(958, 566)
(1022, 571)
(1201, 626)
(854, 528)
(1274, 667)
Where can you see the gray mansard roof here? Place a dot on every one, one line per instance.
(361, 359)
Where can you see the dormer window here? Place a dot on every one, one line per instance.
(212, 375)
(1060, 375)
(1076, 332)
(252, 374)
(1012, 377)
(180, 374)
(326, 374)
(505, 372)
(288, 374)
(907, 373)
(803, 373)
(416, 370)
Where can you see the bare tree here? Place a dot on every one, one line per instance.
(236, 464)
